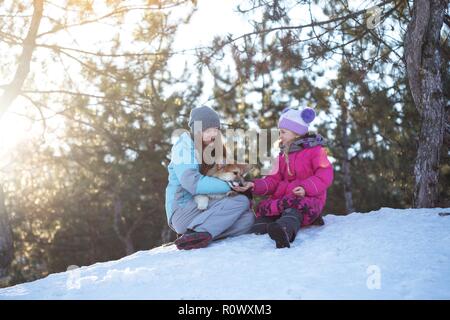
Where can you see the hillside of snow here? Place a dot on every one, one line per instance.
(384, 254)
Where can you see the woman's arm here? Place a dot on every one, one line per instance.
(186, 169)
(195, 183)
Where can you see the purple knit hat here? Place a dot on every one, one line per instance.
(296, 120)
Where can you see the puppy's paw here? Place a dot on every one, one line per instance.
(202, 202)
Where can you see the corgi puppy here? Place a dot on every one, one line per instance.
(233, 174)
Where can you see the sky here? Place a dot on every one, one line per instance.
(211, 18)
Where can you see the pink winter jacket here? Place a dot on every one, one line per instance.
(310, 169)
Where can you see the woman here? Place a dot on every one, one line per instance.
(230, 216)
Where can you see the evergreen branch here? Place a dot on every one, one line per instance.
(298, 27)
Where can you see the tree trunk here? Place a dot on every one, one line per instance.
(6, 241)
(166, 234)
(126, 239)
(347, 187)
(423, 65)
(129, 246)
(346, 162)
(12, 90)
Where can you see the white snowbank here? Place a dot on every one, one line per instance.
(384, 254)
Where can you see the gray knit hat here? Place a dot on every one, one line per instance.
(207, 116)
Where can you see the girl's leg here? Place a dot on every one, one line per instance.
(312, 212)
(285, 229)
(242, 225)
(296, 212)
(309, 207)
(220, 216)
(261, 223)
(265, 215)
(180, 221)
(265, 208)
(183, 216)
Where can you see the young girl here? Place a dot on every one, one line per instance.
(230, 216)
(297, 188)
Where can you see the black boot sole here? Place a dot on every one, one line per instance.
(259, 228)
(279, 235)
(195, 240)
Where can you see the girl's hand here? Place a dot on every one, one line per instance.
(247, 185)
(299, 191)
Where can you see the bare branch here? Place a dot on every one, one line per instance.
(374, 35)
(117, 11)
(12, 90)
(37, 105)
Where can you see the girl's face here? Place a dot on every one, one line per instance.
(209, 135)
(287, 135)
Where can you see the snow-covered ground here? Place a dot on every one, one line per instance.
(384, 254)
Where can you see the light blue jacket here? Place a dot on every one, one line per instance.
(185, 179)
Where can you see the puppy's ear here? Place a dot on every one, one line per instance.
(245, 168)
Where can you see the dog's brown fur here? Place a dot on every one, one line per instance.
(228, 172)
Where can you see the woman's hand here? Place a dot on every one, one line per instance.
(247, 185)
(299, 191)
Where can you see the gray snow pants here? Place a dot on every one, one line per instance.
(230, 216)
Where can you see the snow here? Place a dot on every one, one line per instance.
(384, 254)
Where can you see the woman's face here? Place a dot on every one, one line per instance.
(209, 135)
(287, 135)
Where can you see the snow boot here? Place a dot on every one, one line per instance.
(260, 225)
(319, 221)
(193, 240)
(284, 230)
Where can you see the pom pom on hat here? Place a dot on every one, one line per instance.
(308, 115)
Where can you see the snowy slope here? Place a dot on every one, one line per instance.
(385, 254)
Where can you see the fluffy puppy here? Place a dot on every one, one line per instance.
(233, 174)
